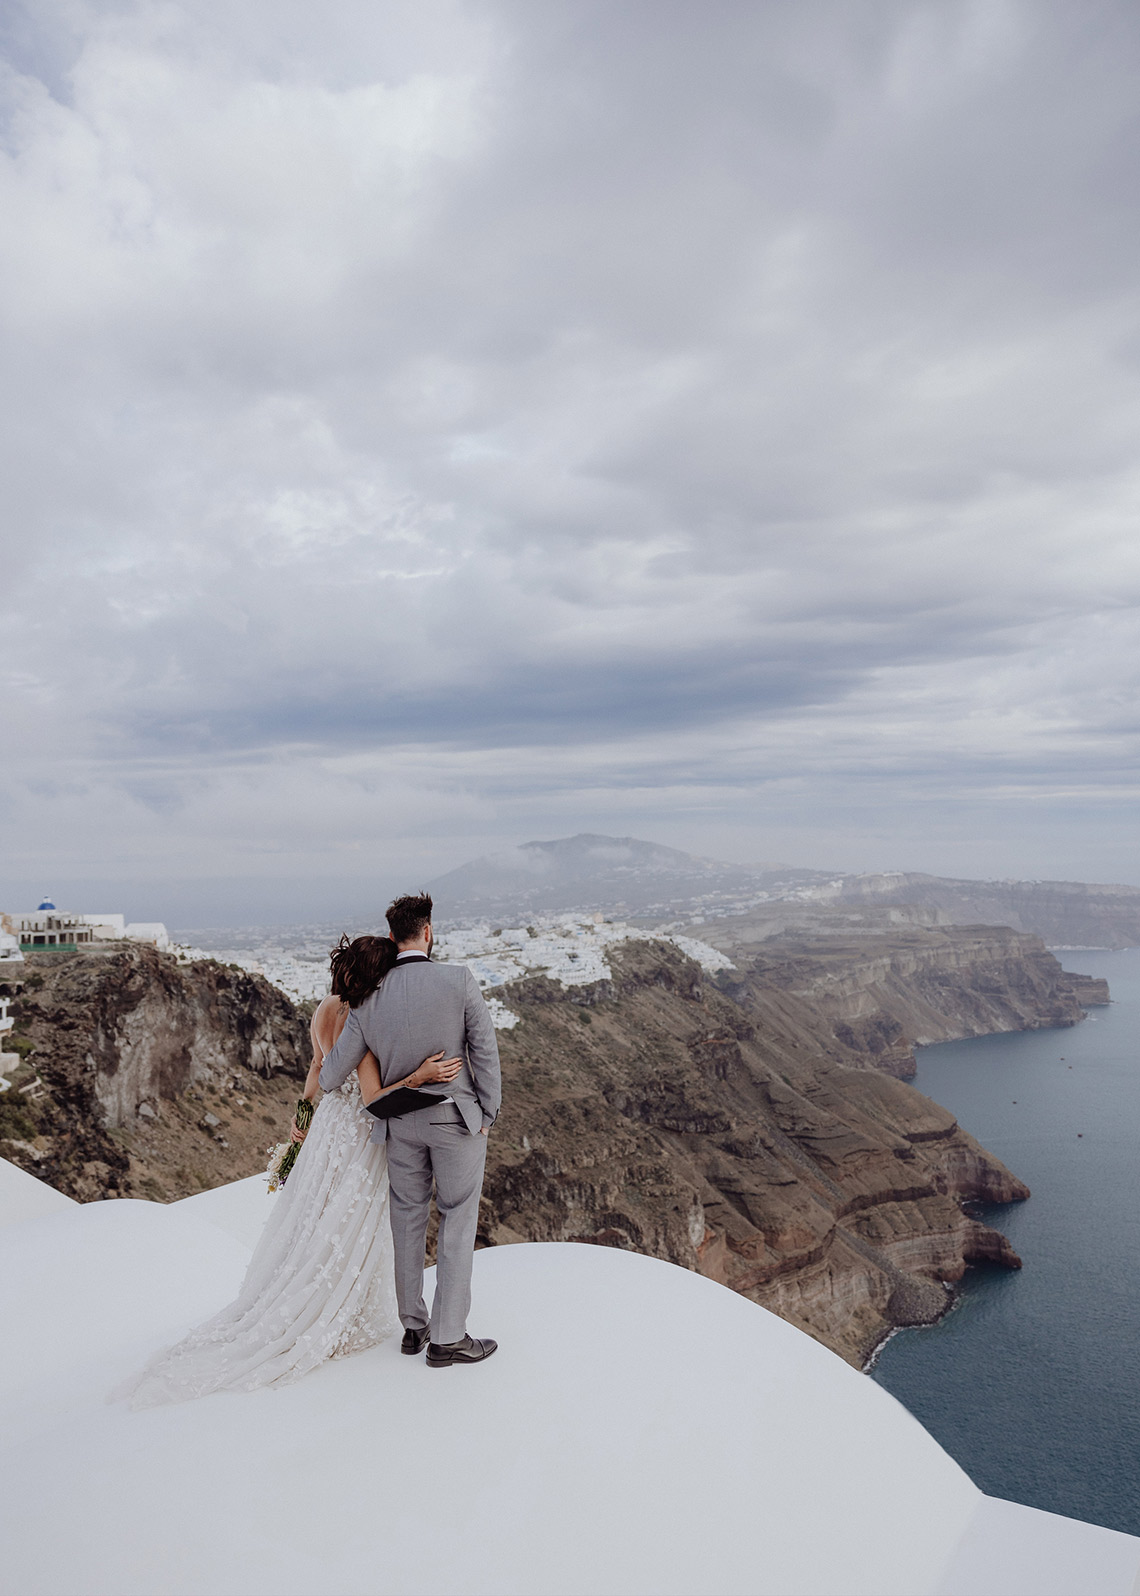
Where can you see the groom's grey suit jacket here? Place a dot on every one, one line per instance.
(419, 1008)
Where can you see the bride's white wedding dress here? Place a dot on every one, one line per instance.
(320, 1284)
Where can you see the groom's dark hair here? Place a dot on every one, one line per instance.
(407, 916)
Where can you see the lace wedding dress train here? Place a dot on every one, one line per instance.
(320, 1284)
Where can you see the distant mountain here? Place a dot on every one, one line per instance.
(592, 872)
(628, 877)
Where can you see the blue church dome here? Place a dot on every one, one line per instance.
(46, 904)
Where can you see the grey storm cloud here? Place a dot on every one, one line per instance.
(426, 425)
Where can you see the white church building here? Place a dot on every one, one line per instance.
(51, 930)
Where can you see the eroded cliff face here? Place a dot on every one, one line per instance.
(913, 986)
(146, 1077)
(754, 1128)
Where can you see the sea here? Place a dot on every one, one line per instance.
(1032, 1381)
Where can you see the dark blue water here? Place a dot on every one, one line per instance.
(1033, 1382)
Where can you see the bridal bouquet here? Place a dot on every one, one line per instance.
(284, 1155)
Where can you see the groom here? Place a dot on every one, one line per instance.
(421, 1008)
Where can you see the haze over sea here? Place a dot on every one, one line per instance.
(1032, 1381)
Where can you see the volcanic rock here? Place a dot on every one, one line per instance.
(754, 1127)
(130, 1052)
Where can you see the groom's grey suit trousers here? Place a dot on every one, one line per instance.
(419, 1009)
(435, 1141)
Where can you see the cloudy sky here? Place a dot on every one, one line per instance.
(431, 426)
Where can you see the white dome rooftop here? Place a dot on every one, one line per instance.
(641, 1431)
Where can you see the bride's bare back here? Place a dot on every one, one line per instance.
(324, 1029)
(327, 1023)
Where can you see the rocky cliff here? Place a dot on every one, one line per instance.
(754, 1127)
(144, 1077)
(912, 985)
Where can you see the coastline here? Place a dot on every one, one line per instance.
(954, 1288)
(1031, 1383)
(953, 1301)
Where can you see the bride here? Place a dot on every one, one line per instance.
(321, 1280)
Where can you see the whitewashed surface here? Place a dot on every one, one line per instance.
(726, 1452)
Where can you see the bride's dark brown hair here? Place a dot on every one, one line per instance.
(359, 966)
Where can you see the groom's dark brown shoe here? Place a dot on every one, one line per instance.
(466, 1351)
(415, 1341)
